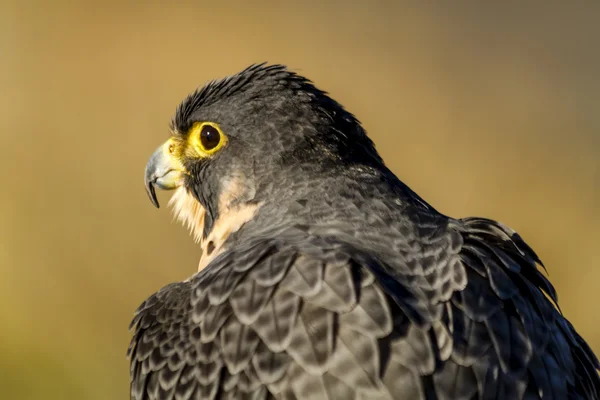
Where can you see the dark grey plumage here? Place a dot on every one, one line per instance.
(345, 285)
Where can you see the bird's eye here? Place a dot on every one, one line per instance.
(210, 137)
(207, 138)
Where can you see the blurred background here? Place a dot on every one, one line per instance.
(487, 110)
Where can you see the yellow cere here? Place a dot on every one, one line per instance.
(172, 150)
(195, 142)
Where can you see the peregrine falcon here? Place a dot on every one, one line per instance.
(323, 276)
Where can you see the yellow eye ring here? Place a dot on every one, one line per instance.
(207, 138)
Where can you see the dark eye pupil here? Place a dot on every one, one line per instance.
(210, 137)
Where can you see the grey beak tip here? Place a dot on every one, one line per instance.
(151, 191)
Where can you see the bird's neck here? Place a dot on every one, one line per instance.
(354, 199)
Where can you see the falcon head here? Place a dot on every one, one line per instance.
(250, 145)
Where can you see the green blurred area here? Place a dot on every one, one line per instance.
(488, 110)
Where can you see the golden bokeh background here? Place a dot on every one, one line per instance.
(488, 110)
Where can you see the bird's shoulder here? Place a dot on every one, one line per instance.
(463, 309)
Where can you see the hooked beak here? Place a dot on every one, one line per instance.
(164, 171)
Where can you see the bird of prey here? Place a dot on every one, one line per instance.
(323, 276)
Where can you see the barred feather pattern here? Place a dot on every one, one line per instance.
(463, 313)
